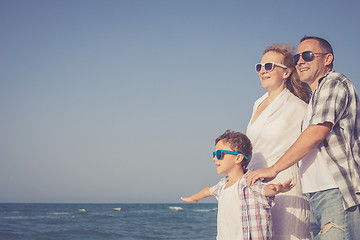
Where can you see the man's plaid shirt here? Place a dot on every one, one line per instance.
(335, 100)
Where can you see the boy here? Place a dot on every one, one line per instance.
(243, 212)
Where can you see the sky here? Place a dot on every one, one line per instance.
(105, 101)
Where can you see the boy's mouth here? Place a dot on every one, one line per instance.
(217, 165)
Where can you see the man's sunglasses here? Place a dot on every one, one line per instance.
(308, 56)
(268, 66)
(219, 154)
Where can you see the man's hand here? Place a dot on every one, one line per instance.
(267, 173)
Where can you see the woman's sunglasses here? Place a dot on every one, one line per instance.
(308, 56)
(219, 154)
(268, 66)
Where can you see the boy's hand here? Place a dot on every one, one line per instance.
(189, 199)
(282, 187)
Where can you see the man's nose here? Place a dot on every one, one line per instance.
(301, 60)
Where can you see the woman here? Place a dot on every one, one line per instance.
(273, 128)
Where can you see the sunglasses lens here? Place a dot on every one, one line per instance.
(308, 56)
(269, 67)
(258, 67)
(296, 58)
(219, 155)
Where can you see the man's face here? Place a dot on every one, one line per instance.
(311, 72)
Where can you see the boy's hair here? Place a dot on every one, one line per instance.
(238, 142)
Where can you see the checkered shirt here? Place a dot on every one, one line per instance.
(335, 100)
(255, 208)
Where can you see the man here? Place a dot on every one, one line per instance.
(328, 146)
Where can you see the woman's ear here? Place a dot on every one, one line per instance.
(287, 73)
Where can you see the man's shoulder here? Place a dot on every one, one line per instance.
(335, 78)
(333, 83)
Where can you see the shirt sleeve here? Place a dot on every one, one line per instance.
(329, 102)
(258, 190)
(216, 189)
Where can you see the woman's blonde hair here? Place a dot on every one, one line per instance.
(293, 83)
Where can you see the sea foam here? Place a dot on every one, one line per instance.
(205, 210)
(176, 208)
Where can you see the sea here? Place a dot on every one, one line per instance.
(41, 221)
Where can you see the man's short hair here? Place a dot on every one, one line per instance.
(325, 45)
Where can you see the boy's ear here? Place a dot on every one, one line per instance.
(239, 158)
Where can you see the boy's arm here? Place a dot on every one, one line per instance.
(273, 189)
(204, 193)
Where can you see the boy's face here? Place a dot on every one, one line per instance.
(228, 163)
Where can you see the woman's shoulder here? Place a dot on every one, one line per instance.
(294, 100)
(289, 107)
(261, 99)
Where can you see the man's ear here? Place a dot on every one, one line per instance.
(329, 59)
(239, 158)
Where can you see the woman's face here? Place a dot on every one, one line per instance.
(273, 81)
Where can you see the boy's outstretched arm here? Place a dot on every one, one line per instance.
(204, 193)
(273, 189)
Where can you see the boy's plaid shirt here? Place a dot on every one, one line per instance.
(255, 208)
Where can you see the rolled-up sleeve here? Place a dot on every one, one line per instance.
(215, 190)
(328, 105)
(259, 192)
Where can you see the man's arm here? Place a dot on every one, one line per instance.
(307, 141)
(204, 193)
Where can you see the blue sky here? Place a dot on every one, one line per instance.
(121, 101)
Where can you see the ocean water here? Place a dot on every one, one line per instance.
(108, 221)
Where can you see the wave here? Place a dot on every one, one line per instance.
(59, 213)
(205, 210)
(117, 209)
(14, 217)
(176, 208)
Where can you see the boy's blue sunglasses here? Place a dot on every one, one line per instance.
(219, 154)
